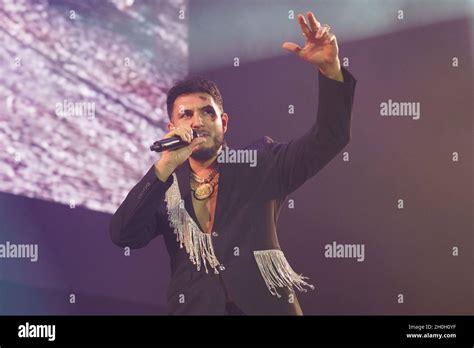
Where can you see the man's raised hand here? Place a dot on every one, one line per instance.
(320, 46)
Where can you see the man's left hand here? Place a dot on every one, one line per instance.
(320, 47)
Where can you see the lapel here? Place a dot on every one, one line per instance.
(182, 173)
(226, 178)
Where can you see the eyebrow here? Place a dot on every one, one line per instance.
(204, 107)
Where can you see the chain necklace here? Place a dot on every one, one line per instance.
(205, 187)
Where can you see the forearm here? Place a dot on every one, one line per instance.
(333, 120)
(290, 165)
(134, 223)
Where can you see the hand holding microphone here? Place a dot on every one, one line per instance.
(170, 142)
(176, 147)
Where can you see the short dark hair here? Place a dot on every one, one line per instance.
(193, 84)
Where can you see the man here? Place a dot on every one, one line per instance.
(218, 220)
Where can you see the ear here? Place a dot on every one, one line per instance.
(225, 121)
(170, 126)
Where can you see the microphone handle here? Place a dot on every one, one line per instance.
(171, 143)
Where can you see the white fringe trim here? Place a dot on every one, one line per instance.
(197, 243)
(277, 272)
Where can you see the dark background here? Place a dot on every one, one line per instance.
(407, 251)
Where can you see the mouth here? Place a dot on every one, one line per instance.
(202, 134)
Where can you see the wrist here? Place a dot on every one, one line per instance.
(163, 171)
(332, 70)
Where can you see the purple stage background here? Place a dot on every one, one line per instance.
(62, 176)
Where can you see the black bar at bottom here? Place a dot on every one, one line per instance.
(136, 330)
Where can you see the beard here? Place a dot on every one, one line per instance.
(206, 153)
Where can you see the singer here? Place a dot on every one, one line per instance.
(218, 220)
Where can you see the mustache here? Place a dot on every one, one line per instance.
(208, 152)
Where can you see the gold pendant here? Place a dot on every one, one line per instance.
(203, 191)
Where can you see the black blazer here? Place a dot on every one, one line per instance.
(242, 255)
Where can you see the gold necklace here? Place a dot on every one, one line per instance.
(205, 187)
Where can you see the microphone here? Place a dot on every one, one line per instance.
(172, 143)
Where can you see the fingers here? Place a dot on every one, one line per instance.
(313, 30)
(322, 31)
(292, 47)
(313, 22)
(326, 36)
(304, 27)
(184, 132)
(331, 38)
(196, 142)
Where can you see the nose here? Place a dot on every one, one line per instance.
(197, 121)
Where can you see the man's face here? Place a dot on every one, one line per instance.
(200, 112)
